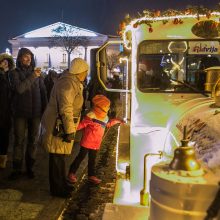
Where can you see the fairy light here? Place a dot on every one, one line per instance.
(126, 42)
(125, 59)
(162, 18)
(172, 42)
(117, 154)
(176, 66)
(130, 26)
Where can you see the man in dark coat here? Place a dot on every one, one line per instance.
(29, 102)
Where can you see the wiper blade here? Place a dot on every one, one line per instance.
(191, 87)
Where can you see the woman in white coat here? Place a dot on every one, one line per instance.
(66, 100)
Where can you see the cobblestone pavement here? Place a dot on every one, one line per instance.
(88, 201)
(29, 199)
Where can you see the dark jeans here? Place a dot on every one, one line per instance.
(4, 140)
(79, 158)
(20, 127)
(57, 174)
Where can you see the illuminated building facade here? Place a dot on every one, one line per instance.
(49, 55)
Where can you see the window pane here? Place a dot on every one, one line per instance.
(175, 66)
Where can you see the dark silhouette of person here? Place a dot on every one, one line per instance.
(6, 66)
(49, 81)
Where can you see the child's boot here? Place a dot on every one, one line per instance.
(72, 178)
(94, 180)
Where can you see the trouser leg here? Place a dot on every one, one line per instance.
(92, 162)
(4, 140)
(30, 153)
(57, 173)
(19, 138)
(79, 158)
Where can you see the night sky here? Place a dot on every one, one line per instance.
(102, 16)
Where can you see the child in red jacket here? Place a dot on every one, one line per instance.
(93, 125)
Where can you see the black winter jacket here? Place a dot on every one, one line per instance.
(5, 100)
(30, 97)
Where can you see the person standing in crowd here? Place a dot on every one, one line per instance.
(66, 101)
(93, 125)
(49, 81)
(115, 96)
(94, 88)
(6, 66)
(29, 102)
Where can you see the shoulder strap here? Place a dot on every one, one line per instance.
(102, 123)
(58, 114)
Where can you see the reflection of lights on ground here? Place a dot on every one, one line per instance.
(10, 198)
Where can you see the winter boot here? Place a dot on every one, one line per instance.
(94, 180)
(3, 161)
(72, 178)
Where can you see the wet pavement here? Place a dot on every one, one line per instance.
(26, 199)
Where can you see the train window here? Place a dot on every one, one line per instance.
(175, 66)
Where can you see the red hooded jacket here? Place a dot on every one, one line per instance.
(93, 130)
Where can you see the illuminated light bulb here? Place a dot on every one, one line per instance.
(157, 13)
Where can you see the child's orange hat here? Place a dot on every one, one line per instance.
(101, 101)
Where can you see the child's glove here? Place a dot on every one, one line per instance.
(121, 121)
(68, 137)
(115, 121)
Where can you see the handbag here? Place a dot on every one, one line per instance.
(58, 130)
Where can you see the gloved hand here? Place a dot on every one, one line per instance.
(120, 121)
(68, 137)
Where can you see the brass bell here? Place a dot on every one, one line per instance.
(184, 157)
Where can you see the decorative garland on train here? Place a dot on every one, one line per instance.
(176, 17)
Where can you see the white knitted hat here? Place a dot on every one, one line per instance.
(78, 65)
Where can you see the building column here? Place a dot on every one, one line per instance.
(86, 53)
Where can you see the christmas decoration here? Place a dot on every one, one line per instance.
(206, 23)
(175, 16)
(150, 29)
(205, 29)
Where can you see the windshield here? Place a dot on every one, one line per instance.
(176, 66)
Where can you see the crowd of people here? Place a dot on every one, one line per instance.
(31, 103)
